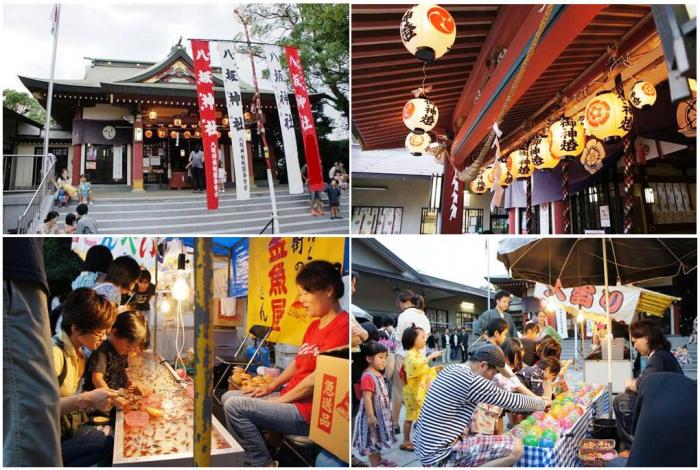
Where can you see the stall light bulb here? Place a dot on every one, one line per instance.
(580, 317)
(181, 290)
(165, 306)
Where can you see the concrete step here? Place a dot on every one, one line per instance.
(163, 212)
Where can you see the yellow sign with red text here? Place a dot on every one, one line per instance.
(273, 297)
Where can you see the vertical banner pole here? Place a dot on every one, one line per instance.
(261, 126)
(204, 354)
(56, 18)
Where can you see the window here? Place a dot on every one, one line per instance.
(465, 320)
(428, 220)
(473, 221)
(437, 316)
(499, 220)
(376, 220)
(61, 154)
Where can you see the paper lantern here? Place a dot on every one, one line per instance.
(149, 134)
(487, 173)
(187, 134)
(173, 135)
(478, 186)
(224, 122)
(177, 121)
(416, 144)
(197, 134)
(162, 133)
(521, 165)
(428, 31)
(643, 95)
(540, 155)
(152, 115)
(566, 138)
(506, 177)
(686, 116)
(608, 117)
(593, 155)
(420, 115)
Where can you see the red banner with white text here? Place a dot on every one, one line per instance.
(207, 118)
(452, 200)
(306, 118)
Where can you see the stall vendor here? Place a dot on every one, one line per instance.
(87, 316)
(649, 340)
(289, 412)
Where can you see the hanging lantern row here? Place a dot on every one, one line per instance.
(607, 117)
(428, 31)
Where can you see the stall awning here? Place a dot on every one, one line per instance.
(654, 303)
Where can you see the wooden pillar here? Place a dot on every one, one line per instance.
(77, 152)
(137, 162)
(512, 229)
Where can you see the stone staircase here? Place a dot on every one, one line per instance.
(181, 212)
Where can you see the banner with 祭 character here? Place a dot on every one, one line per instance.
(306, 119)
(279, 84)
(234, 106)
(273, 297)
(207, 115)
(591, 299)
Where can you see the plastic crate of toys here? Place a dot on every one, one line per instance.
(596, 452)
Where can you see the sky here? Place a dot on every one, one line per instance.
(104, 30)
(454, 258)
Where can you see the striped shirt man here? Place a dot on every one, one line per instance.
(449, 407)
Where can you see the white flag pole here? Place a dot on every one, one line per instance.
(261, 127)
(56, 18)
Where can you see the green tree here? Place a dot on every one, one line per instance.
(24, 104)
(62, 264)
(321, 32)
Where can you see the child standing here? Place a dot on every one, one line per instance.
(222, 177)
(417, 378)
(538, 378)
(373, 430)
(333, 192)
(108, 364)
(85, 190)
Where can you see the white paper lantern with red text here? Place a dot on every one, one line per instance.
(417, 144)
(478, 186)
(428, 31)
(608, 117)
(420, 115)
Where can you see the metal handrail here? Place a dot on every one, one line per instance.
(25, 222)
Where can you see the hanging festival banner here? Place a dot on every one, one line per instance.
(207, 118)
(142, 249)
(591, 299)
(306, 119)
(234, 106)
(273, 296)
(239, 270)
(284, 111)
(452, 200)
